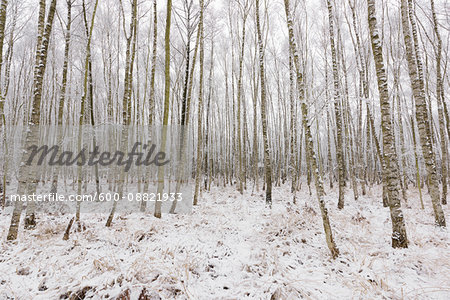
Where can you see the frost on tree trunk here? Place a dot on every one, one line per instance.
(200, 108)
(241, 174)
(126, 106)
(267, 164)
(293, 133)
(3, 8)
(399, 238)
(62, 97)
(337, 110)
(152, 91)
(28, 176)
(166, 105)
(413, 58)
(308, 137)
(441, 104)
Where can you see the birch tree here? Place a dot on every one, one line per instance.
(241, 175)
(3, 9)
(399, 238)
(337, 109)
(152, 97)
(198, 167)
(442, 111)
(308, 136)
(413, 58)
(165, 121)
(62, 98)
(126, 102)
(28, 176)
(267, 163)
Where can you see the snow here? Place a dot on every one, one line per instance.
(233, 247)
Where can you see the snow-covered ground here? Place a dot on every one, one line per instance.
(232, 247)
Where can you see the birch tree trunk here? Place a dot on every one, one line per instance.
(337, 110)
(30, 218)
(185, 113)
(126, 102)
(267, 164)
(198, 168)
(441, 103)
(293, 130)
(308, 137)
(86, 93)
(28, 176)
(152, 91)
(416, 160)
(3, 9)
(166, 105)
(415, 73)
(62, 97)
(239, 96)
(399, 238)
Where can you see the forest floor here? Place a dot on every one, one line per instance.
(233, 247)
